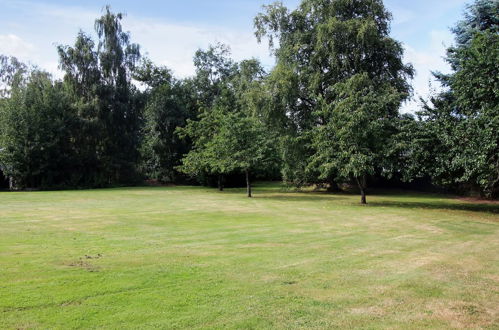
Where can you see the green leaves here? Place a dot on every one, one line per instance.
(357, 130)
(340, 80)
(83, 131)
(456, 142)
(226, 140)
(34, 133)
(230, 134)
(168, 106)
(328, 111)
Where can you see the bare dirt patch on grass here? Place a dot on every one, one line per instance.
(464, 315)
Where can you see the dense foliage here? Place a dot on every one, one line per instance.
(348, 83)
(456, 139)
(169, 103)
(229, 135)
(82, 131)
(35, 136)
(327, 113)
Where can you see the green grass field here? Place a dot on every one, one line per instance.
(187, 257)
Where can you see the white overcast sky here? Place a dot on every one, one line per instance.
(171, 31)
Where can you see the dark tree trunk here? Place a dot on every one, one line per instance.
(221, 182)
(362, 186)
(363, 199)
(248, 183)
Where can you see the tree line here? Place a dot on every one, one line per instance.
(327, 113)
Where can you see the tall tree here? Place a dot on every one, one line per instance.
(214, 68)
(462, 121)
(169, 104)
(12, 72)
(338, 67)
(228, 135)
(35, 148)
(352, 144)
(480, 16)
(99, 79)
(117, 59)
(83, 82)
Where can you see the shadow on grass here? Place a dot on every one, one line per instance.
(302, 197)
(310, 196)
(411, 199)
(290, 196)
(473, 207)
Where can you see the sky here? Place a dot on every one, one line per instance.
(170, 31)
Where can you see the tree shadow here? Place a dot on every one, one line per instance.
(472, 207)
(278, 194)
(271, 192)
(407, 204)
(491, 208)
(301, 197)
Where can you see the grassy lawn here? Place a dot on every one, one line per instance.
(187, 257)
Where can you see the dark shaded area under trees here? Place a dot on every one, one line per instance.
(326, 114)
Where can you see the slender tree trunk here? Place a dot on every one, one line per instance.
(363, 199)
(248, 183)
(362, 187)
(221, 182)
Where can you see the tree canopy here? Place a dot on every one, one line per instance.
(460, 124)
(229, 136)
(348, 79)
(326, 114)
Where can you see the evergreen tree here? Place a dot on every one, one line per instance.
(98, 78)
(462, 122)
